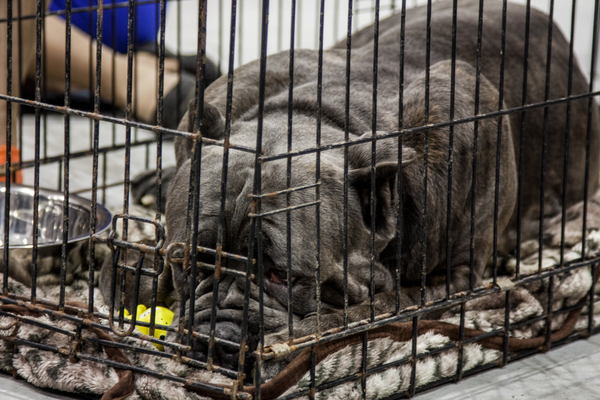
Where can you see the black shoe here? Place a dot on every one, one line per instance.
(188, 63)
(175, 103)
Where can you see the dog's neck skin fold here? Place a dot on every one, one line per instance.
(466, 265)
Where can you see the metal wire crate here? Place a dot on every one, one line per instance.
(100, 165)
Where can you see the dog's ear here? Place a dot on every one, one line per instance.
(213, 127)
(360, 155)
(386, 175)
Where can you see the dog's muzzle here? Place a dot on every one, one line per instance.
(228, 323)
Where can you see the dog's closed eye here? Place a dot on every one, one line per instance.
(279, 277)
(274, 274)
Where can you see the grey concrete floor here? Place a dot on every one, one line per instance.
(18, 389)
(570, 372)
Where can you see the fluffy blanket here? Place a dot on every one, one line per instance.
(73, 369)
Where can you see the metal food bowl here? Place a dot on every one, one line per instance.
(50, 233)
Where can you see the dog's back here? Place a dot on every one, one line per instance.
(532, 126)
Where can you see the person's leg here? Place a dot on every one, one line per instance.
(25, 55)
(146, 69)
(23, 51)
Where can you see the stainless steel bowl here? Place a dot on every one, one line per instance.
(50, 233)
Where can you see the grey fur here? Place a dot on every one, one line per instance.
(305, 108)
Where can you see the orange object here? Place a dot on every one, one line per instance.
(15, 157)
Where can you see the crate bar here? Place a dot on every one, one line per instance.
(522, 139)
(250, 264)
(20, 68)
(119, 121)
(461, 340)
(550, 314)
(91, 8)
(498, 145)
(358, 327)
(506, 327)
(200, 249)
(44, 77)
(545, 137)
(159, 107)
(23, 302)
(223, 270)
(567, 133)
(113, 282)
(157, 129)
(591, 305)
(91, 72)
(66, 156)
(178, 55)
(451, 152)
(423, 221)
(225, 166)
(425, 159)
(131, 18)
(289, 189)
(587, 163)
(312, 387)
(119, 365)
(373, 200)
(36, 173)
(363, 365)
(373, 194)
(399, 210)
(591, 105)
(195, 176)
(318, 164)
(7, 180)
(113, 84)
(191, 220)
(82, 321)
(257, 189)
(287, 209)
(371, 371)
(319, 41)
(84, 153)
(86, 9)
(413, 358)
(405, 360)
(346, 167)
(475, 148)
(422, 128)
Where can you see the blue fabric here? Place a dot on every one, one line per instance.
(146, 21)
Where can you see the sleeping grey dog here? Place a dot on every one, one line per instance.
(389, 171)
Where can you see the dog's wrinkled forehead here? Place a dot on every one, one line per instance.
(239, 185)
(237, 196)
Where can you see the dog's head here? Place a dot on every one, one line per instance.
(285, 233)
